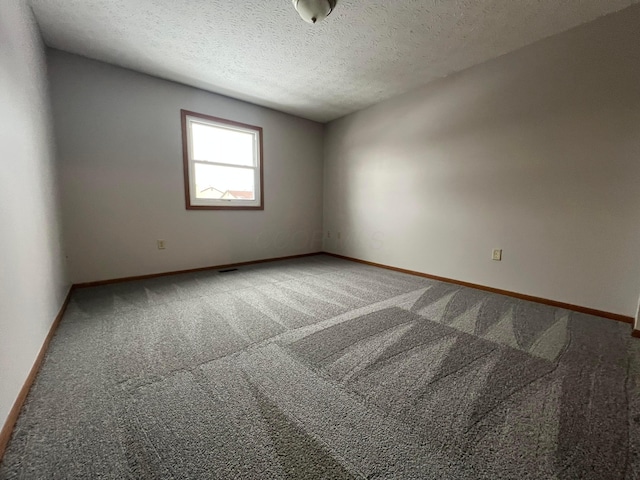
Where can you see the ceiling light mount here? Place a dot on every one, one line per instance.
(314, 11)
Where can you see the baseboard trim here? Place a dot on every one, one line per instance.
(521, 296)
(14, 413)
(635, 333)
(191, 270)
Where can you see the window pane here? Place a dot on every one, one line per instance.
(229, 183)
(217, 144)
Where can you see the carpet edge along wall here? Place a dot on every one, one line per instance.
(189, 270)
(554, 303)
(545, 301)
(14, 413)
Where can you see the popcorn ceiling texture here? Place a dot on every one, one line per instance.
(262, 52)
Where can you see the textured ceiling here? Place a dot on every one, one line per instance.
(262, 51)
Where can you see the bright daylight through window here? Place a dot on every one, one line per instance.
(222, 163)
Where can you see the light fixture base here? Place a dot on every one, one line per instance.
(314, 11)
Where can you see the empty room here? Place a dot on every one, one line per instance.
(320, 239)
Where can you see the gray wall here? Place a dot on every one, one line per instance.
(32, 274)
(536, 152)
(119, 140)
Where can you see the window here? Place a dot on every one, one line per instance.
(222, 163)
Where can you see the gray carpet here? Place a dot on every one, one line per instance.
(321, 368)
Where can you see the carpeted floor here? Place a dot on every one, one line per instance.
(320, 368)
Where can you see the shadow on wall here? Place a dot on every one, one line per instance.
(518, 111)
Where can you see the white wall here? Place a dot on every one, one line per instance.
(119, 140)
(536, 152)
(32, 275)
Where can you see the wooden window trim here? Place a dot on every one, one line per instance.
(185, 158)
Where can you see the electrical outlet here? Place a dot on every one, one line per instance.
(497, 254)
(161, 245)
(328, 234)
